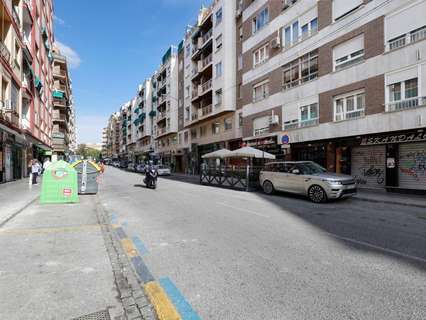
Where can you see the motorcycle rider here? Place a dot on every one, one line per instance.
(151, 175)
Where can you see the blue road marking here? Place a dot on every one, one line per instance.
(114, 219)
(120, 232)
(142, 270)
(183, 307)
(139, 245)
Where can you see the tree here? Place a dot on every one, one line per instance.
(86, 152)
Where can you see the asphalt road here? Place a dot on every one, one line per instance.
(237, 255)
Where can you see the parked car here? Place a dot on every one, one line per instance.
(116, 164)
(131, 166)
(140, 168)
(124, 164)
(306, 178)
(164, 170)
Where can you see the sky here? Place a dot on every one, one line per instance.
(111, 47)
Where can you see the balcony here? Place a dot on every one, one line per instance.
(406, 39)
(57, 71)
(206, 38)
(301, 124)
(261, 131)
(205, 87)
(59, 102)
(206, 62)
(59, 117)
(405, 104)
(4, 52)
(205, 111)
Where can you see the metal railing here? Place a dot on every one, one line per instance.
(298, 82)
(418, 35)
(406, 39)
(206, 110)
(405, 104)
(208, 60)
(261, 131)
(206, 86)
(207, 36)
(4, 51)
(301, 124)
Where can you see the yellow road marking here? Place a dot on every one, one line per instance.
(129, 248)
(49, 230)
(163, 307)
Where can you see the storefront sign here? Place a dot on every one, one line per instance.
(397, 138)
(261, 142)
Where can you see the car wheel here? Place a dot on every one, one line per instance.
(317, 194)
(268, 187)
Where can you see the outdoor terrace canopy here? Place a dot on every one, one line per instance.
(249, 152)
(222, 153)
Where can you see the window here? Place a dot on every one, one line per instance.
(218, 97)
(240, 91)
(202, 131)
(261, 126)
(188, 50)
(261, 91)
(240, 62)
(218, 16)
(403, 95)
(185, 137)
(193, 134)
(241, 34)
(342, 8)
(349, 106)
(227, 124)
(260, 20)
(309, 114)
(261, 55)
(187, 89)
(300, 70)
(218, 42)
(240, 120)
(215, 128)
(218, 69)
(348, 53)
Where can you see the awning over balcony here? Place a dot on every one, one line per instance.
(152, 113)
(37, 83)
(58, 94)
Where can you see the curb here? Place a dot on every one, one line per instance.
(391, 202)
(13, 215)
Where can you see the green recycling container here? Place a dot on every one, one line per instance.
(87, 173)
(59, 184)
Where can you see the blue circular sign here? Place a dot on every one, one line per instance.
(285, 139)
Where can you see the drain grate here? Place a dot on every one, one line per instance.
(100, 315)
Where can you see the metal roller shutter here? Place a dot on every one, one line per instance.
(412, 166)
(368, 166)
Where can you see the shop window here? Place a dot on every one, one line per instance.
(349, 106)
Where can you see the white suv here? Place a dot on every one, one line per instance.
(306, 178)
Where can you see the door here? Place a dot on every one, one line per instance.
(412, 166)
(369, 166)
(287, 180)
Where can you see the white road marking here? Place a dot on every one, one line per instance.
(242, 209)
(366, 244)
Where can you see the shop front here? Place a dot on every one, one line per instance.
(267, 144)
(394, 161)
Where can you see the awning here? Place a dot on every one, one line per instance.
(219, 154)
(249, 152)
(58, 94)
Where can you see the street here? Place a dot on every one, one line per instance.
(236, 255)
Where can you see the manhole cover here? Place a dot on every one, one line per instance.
(100, 315)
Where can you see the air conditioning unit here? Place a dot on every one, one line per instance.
(274, 119)
(276, 43)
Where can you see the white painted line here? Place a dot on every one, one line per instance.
(242, 209)
(366, 244)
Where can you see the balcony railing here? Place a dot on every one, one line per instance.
(301, 124)
(406, 39)
(208, 60)
(206, 86)
(207, 36)
(405, 104)
(4, 51)
(298, 82)
(261, 131)
(205, 111)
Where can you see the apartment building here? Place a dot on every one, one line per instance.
(144, 123)
(63, 116)
(111, 137)
(26, 32)
(210, 81)
(166, 103)
(341, 83)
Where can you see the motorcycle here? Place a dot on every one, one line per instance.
(151, 178)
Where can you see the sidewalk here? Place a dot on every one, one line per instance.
(391, 198)
(362, 195)
(15, 196)
(55, 264)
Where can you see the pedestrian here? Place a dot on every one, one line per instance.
(46, 164)
(35, 171)
(30, 175)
